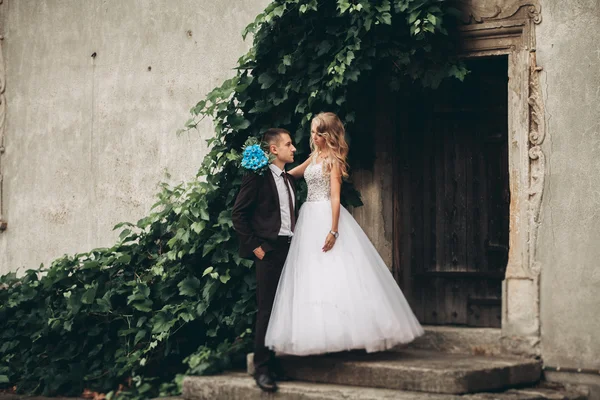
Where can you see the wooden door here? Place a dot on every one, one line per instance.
(452, 198)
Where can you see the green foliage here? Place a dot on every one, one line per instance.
(172, 295)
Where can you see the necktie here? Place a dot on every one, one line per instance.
(291, 203)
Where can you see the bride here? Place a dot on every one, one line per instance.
(336, 294)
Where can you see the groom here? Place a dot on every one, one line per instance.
(264, 217)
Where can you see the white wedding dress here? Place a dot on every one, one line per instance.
(339, 300)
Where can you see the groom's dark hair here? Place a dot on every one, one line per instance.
(272, 135)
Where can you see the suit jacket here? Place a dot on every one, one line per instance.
(256, 214)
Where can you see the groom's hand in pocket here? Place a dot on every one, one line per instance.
(259, 253)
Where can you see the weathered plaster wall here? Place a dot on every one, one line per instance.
(88, 139)
(568, 49)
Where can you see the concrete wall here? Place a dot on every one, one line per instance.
(568, 48)
(88, 139)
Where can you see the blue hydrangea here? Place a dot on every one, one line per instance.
(254, 158)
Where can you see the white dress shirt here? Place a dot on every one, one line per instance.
(284, 203)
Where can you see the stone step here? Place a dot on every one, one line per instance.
(414, 370)
(240, 386)
(453, 339)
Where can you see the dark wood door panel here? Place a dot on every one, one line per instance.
(452, 198)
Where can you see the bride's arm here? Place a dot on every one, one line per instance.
(336, 188)
(298, 171)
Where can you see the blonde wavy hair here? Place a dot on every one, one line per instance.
(330, 127)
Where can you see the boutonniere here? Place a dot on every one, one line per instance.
(254, 158)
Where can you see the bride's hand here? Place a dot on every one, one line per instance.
(329, 242)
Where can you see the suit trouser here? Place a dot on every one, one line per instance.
(268, 272)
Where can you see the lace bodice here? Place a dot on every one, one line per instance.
(318, 183)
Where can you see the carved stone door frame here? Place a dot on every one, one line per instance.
(507, 27)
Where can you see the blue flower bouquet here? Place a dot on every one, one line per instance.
(254, 158)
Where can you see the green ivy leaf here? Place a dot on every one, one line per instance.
(431, 18)
(385, 6)
(122, 224)
(198, 226)
(161, 323)
(225, 278)
(124, 259)
(124, 234)
(238, 122)
(144, 305)
(343, 6)
(104, 304)
(91, 265)
(89, 295)
(201, 308)
(266, 80)
(204, 214)
(225, 218)
(189, 286)
(278, 11)
(412, 17)
(141, 334)
(385, 18)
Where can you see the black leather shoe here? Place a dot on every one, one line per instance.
(265, 382)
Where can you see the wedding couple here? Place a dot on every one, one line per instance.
(321, 285)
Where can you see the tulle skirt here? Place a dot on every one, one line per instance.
(340, 300)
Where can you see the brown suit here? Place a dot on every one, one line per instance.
(256, 218)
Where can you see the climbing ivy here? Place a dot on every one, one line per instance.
(172, 296)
